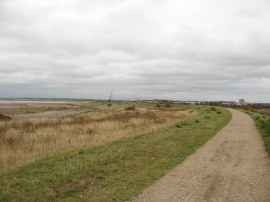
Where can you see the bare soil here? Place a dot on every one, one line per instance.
(232, 166)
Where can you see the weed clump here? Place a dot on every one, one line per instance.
(4, 117)
(264, 124)
(213, 109)
(180, 125)
(3, 130)
(89, 130)
(130, 108)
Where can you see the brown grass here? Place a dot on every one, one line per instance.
(23, 140)
(263, 111)
(4, 117)
(130, 108)
(19, 108)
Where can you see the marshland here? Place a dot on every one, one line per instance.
(33, 130)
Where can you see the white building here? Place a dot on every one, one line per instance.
(242, 102)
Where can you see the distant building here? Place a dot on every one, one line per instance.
(242, 102)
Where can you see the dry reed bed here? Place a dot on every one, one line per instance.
(14, 109)
(23, 140)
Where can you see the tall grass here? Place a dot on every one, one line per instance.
(22, 140)
(4, 117)
(263, 124)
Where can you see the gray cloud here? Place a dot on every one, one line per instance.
(206, 50)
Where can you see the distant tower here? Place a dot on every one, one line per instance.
(111, 96)
(242, 102)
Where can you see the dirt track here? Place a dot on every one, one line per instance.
(232, 166)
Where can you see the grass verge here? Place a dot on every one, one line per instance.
(117, 171)
(263, 124)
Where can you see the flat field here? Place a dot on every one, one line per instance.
(97, 151)
(36, 129)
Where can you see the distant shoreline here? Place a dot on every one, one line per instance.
(68, 100)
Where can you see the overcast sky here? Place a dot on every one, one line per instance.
(145, 49)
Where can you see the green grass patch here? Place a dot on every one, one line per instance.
(117, 171)
(263, 124)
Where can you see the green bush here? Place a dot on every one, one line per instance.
(180, 125)
(213, 109)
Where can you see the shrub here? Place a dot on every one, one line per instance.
(130, 108)
(213, 109)
(4, 117)
(180, 125)
(89, 130)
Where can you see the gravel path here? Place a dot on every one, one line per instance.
(232, 166)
